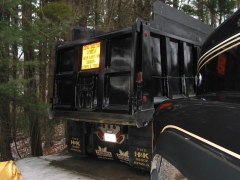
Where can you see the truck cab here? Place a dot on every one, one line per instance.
(199, 135)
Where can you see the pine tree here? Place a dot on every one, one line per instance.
(6, 91)
(30, 74)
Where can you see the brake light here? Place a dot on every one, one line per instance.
(118, 134)
(221, 64)
(100, 132)
(120, 139)
(144, 98)
(139, 77)
(165, 105)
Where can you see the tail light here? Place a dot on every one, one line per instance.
(119, 139)
(100, 134)
(139, 77)
(165, 105)
(221, 64)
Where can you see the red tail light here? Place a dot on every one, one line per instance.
(100, 134)
(118, 134)
(120, 139)
(139, 77)
(221, 64)
(165, 105)
(144, 98)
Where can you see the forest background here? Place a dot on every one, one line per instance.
(28, 32)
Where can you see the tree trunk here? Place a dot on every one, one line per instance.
(50, 73)
(5, 128)
(14, 106)
(42, 72)
(50, 125)
(175, 4)
(96, 13)
(6, 138)
(84, 5)
(29, 73)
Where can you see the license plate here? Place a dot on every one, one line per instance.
(110, 137)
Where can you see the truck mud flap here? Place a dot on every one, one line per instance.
(76, 137)
(140, 143)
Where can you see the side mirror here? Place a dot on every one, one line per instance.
(198, 79)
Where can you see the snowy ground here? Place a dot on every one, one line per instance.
(21, 148)
(56, 164)
(39, 168)
(66, 166)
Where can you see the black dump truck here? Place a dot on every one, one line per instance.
(140, 96)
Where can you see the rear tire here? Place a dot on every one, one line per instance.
(163, 170)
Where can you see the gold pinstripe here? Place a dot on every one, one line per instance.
(199, 68)
(223, 44)
(202, 59)
(203, 140)
(219, 45)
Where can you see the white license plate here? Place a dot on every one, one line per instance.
(110, 137)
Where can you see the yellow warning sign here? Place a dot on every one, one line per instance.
(90, 56)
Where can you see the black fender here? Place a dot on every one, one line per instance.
(191, 159)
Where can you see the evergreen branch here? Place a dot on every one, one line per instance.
(15, 16)
(38, 29)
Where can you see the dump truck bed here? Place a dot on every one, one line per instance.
(121, 77)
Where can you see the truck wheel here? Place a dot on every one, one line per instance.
(162, 169)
